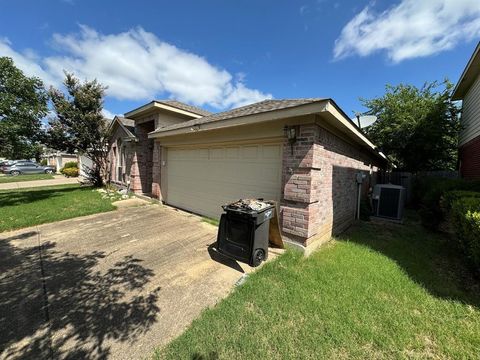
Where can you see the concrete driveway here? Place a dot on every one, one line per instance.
(113, 285)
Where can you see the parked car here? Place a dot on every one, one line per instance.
(5, 163)
(26, 167)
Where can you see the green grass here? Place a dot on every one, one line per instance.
(34, 206)
(211, 221)
(380, 291)
(9, 178)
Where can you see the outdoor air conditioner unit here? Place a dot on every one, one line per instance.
(388, 201)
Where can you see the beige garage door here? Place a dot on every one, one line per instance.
(203, 179)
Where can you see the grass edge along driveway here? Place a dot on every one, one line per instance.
(379, 291)
(26, 207)
(21, 178)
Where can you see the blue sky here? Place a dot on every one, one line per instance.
(222, 54)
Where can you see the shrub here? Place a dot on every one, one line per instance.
(465, 215)
(429, 192)
(43, 162)
(70, 172)
(70, 164)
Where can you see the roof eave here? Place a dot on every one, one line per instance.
(116, 120)
(300, 110)
(471, 71)
(266, 116)
(158, 105)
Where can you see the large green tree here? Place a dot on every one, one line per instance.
(416, 127)
(23, 104)
(79, 125)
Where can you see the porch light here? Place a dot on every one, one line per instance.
(291, 135)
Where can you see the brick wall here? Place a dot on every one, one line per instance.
(319, 188)
(469, 155)
(142, 165)
(156, 169)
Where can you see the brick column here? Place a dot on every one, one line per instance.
(135, 183)
(156, 168)
(301, 177)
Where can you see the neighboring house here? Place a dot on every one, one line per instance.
(303, 153)
(58, 159)
(468, 90)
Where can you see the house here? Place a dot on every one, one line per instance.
(468, 90)
(303, 153)
(58, 159)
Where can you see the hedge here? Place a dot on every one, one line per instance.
(70, 164)
(429, 193)
(465, 217)
(70, 172)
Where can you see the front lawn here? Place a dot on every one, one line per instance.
(379, 291)
(9, 178)
(34, 206)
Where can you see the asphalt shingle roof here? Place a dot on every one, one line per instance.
(126, 121)
(186, 107)
(257, 108)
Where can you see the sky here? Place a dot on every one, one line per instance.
(221, 54)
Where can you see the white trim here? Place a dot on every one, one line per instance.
(155, 104)
(465, 73)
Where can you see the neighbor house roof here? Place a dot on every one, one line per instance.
(470, 73)
(257, 108)
(169, 105)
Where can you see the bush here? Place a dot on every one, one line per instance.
(70, 164)
(465, 215)
(429, 192)
(70, 172)
(43, 162)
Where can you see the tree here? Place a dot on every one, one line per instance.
(79, 125)
(23, 103)
(416, 127)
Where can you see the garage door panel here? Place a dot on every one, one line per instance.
(202, 183)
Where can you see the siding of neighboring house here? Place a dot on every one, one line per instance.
(471, 114)
(469, 143)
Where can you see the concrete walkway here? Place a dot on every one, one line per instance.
(108, 286)
(58, 180)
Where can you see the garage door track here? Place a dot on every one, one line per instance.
(113, 285)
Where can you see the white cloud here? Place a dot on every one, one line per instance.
(26, 61)
(136, 65)
(108, 114)
(410, 29)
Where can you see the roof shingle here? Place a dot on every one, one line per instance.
(256, 108)
(186, 107)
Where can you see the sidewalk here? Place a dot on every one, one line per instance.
(58, 180)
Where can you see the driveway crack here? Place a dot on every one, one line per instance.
(46, 305)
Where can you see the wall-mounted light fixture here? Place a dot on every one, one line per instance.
(291, 135)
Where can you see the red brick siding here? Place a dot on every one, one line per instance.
(156, 170)
(319, 188)
(469, 155)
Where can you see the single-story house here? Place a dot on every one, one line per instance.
(303, 153)
(468, 90)
(58, 159)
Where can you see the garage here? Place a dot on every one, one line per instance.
(201, 179)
